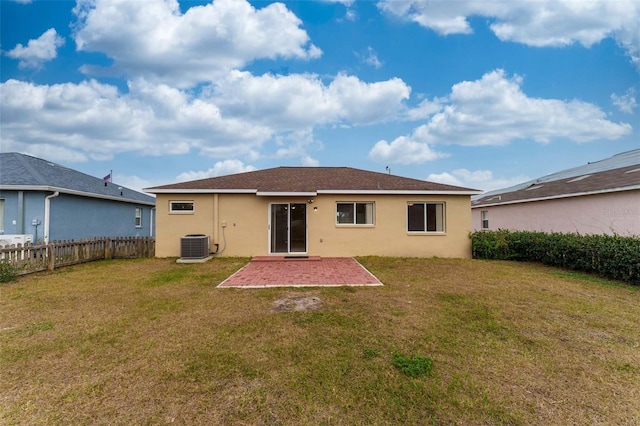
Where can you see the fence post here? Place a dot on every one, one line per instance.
(107, 248)
(51, 256)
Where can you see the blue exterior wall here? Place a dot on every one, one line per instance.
(10, 212)
(21, 208)
(73, 217)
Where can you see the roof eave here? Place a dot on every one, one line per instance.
(73, 192)
(310, 193)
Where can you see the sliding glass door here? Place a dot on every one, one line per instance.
(288, 228)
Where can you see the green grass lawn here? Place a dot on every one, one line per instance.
(463, 342)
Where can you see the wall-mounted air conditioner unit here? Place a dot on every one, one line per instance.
(194, 246)
(7, 240)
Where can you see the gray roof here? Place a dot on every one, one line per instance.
(620, 172)
(24, 172)
(310, 181)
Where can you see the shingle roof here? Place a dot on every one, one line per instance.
(618, 173)
(310, 180)
(20, 171)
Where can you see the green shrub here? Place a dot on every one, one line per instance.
(611, 256)
(7, 272)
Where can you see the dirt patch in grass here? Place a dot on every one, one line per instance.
(297, 303)
(154, 342)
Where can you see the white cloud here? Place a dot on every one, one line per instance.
(299, 101)
(155, 40)
(309, 162)
(23, 1)
(370, 57)
(350, 15)
(43, 150)
(97, 121)
(344, 2)
(135, 182)
(404, 150)
(495, 111)
(37, 51)
(283, 102)
(296, 144)
(425, 109)
(627, 102)
(478, 179)
(534, 23)
(229, 120)
(220, 168)
(362, 103)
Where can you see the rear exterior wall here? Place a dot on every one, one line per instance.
(239, 224)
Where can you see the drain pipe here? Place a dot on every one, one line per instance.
(152, 212)
(47, 212)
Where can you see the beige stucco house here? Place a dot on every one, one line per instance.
(315, 211)
(601, 197)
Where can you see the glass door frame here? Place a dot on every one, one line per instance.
(299, 229)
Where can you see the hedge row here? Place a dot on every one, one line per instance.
(611, 256)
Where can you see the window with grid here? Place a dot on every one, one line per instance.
(485, 219)
(138, 217)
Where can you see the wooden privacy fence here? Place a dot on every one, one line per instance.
(30, 258)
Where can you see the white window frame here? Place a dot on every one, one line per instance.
(138, 217)
(484, 219)
(355, 215)
(443, 209)
(182, 211)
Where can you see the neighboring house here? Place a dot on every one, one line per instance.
(51, 202)
(316, 211)
(602, 197)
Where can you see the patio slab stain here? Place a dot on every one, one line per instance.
(269, 271)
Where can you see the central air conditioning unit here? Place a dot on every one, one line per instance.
(194, 246)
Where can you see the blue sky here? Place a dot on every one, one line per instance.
(482, 94)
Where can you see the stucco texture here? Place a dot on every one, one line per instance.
(246, 230)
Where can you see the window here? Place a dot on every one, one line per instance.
(485, 219)
(425, 217)
(354, 213)
(138, 217)
(181, 206)
(1, 214)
